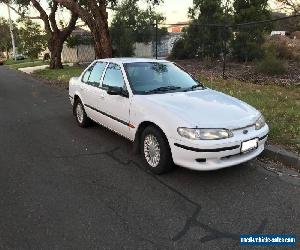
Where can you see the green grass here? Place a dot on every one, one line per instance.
(280, 106)
(61, 75)
(23, 63)
(12, 61)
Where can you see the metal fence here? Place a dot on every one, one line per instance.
(162, 46)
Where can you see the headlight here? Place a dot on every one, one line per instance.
(260, 123)
(204, 134)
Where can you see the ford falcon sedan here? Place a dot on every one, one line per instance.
(170, 116)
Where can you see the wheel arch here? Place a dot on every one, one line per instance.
(140, 129)
(76, 98)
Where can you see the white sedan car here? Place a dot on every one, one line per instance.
(170, 115)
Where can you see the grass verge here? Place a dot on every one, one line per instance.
(279, 105)
(23, 63)
(62, 76)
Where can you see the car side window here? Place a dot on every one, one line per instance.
(96, 74)
(113, 77)
(86, 75)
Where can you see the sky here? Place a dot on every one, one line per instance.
(174, 10)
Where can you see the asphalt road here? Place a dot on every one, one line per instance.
(63, 187)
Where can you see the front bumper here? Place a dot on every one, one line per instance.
(71, 100)
(213, 155)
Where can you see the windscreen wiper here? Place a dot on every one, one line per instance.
(195, 87)
(162, 89)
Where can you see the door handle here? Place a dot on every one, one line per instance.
(101, 96)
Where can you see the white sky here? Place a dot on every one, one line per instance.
(174, 10)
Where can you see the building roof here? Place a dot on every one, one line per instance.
(180, 23)
(80, 32)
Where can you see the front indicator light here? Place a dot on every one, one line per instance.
(260, 123)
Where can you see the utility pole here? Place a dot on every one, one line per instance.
(11, 32)
(156, 39)
(224, 33)
(224, 36)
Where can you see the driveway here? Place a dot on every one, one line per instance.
(63, 187)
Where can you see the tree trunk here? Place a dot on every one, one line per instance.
(55, 60)
(103, 48)
(7, 53)
(57, 36)
(100, 32)
(55, 45)
(95, 16)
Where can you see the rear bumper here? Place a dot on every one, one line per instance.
(213, 157)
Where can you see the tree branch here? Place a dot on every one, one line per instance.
(291, 5)
(53, 8)
(71, 26)
(22, 14)
(43, 15)
(77, 9)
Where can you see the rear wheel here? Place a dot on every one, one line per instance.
(81, 117)
(156, 150)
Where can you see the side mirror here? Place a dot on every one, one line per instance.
(114, 91)
(117, 91)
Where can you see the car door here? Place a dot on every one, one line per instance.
(115, 107)
(91, 91)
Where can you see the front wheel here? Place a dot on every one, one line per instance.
(156, 150)
(81, 117)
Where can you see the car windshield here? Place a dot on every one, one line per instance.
(159, 77)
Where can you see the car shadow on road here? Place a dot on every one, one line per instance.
(191, 186)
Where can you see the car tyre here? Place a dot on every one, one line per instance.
(156, 150)
(82, 120)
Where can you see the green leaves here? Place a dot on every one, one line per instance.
(5, 40)
(201, 39)
(32, 39)
(132, 24)
(248, 42)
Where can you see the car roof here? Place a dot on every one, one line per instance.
(130, 60)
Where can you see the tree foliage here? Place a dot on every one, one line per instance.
(32, 40)
(56, 33)
(290, 5)
(132, 24)
(5, 38)
(202, 40)
(248, 41)
(94, 14)
(76, 40)
(217, 29)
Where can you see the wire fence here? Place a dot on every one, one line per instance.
(161, 46)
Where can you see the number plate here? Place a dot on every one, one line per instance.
(249, 145)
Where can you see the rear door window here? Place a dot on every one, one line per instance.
(95, 75)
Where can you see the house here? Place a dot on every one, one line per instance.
(280, 33)
(178, 27)
(164, 47)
